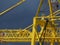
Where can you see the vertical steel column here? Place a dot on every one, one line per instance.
(33, 32)
(51, 14)
(40, 43)
(52, 43)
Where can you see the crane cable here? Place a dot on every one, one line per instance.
(17, 4)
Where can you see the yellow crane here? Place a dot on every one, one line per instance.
(49, 32)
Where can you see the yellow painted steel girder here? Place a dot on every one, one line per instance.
(19, 35)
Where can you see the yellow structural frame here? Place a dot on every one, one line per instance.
(47, 33)
(35, 22)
